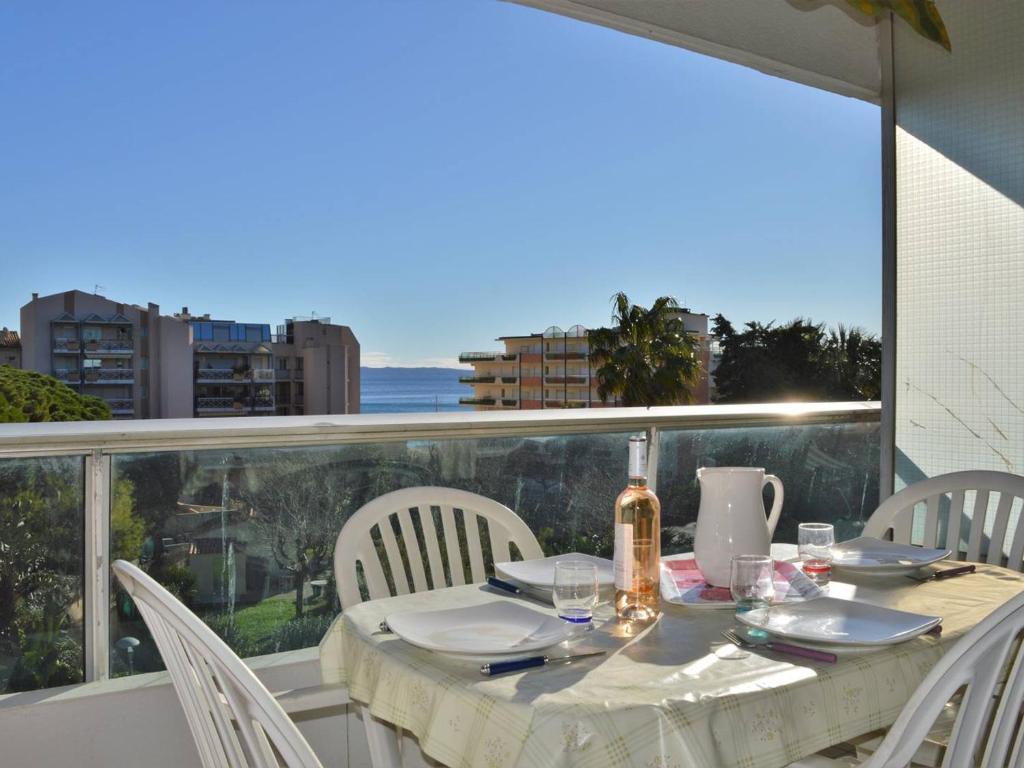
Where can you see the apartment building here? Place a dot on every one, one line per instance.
(554, 370)
(10, 348)
(134, 358)
(149, 365)
(316, 367)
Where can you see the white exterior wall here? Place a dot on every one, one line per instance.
(960, 243)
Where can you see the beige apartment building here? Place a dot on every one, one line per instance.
(553, 370)
(149, 366)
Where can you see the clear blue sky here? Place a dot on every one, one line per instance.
(433, 173)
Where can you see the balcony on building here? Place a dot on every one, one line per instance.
(571, 380)
(479, 357)
(476, 401)
(477, 379)
(108, 375)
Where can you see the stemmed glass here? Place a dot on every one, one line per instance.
(575, 592)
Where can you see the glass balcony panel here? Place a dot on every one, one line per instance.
(41, 572)
(219, 527)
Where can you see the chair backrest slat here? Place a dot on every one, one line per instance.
(931, 521)
(437, 577)
(897, 512)
(955, 522)
(233, 718)
(419, 576)
(476, 555)
(1017, 544)
(451, 544)
(395, 563)
(999, 525)
(460, 548)
(977, 525)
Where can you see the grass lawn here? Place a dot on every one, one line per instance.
(256, 624)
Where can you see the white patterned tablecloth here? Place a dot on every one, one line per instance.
(664, 699)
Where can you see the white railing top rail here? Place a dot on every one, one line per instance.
(64, 438)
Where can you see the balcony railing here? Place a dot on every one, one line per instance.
(108, 375)
(476, 379)
(66, 346)
(565, 379)
(509, 379)
(478, 357)
(219, 404)
(109, 347)
(476, 401)
(216, 497)
(262, 374)
(217, 375)
(565, 355)
(120, 406)
(282, 374)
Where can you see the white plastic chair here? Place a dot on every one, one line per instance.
(234, 719)
(356, 541)
(944, 498)
(985, 731)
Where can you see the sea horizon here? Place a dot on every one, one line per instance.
(413, 389)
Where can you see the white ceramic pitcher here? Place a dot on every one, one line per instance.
(731, 520)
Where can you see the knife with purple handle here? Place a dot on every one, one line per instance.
(796, 650)
(771, 645)
(961, 570)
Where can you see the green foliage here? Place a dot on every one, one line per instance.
(40, 567)
(30, 396)
(179, 581)
(800, 361)
(648, 358)
(922, 15)
(127, 529)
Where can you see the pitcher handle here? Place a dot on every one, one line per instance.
(773, 516)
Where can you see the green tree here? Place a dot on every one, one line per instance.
(30, 396)
(799, 361)
(127, 529)
(648, 357)
(299, 509)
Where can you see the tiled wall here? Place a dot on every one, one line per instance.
(960, 243)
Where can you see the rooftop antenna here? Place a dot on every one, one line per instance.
(96, 289)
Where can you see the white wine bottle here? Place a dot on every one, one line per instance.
(637, 542)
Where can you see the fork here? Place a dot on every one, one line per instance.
(792, 650)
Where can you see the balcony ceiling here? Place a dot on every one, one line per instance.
(822, 43)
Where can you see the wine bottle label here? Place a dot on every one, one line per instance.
(623, 562)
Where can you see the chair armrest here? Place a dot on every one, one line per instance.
(313, 697)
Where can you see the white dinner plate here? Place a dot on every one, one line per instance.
(540, 574)
(492, 629)
(843, 622)
(869, 556)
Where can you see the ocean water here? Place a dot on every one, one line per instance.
(412, 390)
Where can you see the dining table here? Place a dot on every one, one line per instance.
(672, 694)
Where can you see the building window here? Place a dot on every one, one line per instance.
(298, 363)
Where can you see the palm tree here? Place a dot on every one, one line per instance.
(647, 358)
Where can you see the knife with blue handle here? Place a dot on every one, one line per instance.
(506, 586)
(501, 667)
